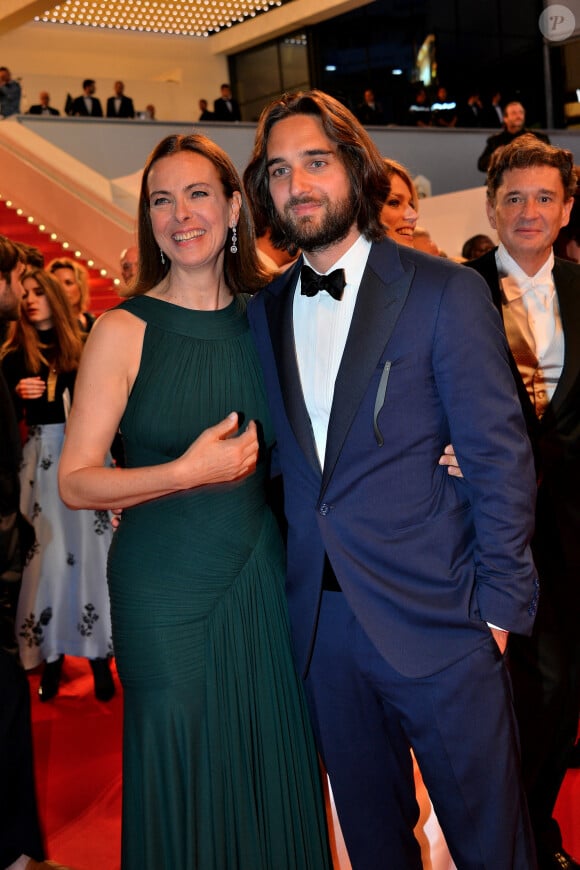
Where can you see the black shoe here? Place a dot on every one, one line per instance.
(559, 860)
(50, 679)
(104, 685)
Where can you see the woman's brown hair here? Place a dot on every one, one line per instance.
(68, 343)
(242, 270)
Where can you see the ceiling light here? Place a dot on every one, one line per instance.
(176, 18)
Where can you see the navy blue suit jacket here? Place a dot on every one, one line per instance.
(425, 560)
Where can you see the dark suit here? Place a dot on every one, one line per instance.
(223, 113)
(42, 110)
(126, 108)
(79, 108)
(371, 114)
(546, 667)
(491, 116)
(423, 561)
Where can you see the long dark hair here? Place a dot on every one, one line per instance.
(242, 270)
(356, 149)
(22, 334)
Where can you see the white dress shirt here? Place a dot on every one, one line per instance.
(321, 326)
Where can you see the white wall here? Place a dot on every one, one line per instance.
(171, 72)
(452, 218)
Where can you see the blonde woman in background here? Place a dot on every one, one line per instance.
(74, 279)
(401, 208)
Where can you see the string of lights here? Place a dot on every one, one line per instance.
(54, 237)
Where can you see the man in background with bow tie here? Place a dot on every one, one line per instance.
(530, 187)
(403, 581)
(225, 108)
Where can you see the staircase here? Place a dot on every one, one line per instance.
(16, 227)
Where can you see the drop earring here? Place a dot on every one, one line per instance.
(234, 245)
(162, 257)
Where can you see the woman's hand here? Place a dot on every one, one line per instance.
(220, 455)
(450, 460)
(30, 388)
(106, 375)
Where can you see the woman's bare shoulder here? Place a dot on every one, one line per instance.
(117, 325)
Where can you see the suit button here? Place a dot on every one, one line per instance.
(324, 508)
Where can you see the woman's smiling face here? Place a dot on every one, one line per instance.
(399, 214)
(190, 214)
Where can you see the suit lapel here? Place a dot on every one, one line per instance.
(487, 268)
(378, 306)
(278, 302)
(567, 285)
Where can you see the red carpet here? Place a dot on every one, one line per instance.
(78, 763)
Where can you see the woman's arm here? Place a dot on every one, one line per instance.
(108, 369)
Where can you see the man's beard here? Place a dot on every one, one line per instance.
(311, 235)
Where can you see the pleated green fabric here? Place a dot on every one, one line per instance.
(220, 769)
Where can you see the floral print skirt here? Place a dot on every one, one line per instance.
(63, 605)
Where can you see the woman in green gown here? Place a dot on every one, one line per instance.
(220, 769)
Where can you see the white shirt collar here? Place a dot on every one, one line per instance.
(514, 280)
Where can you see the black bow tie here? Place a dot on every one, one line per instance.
(312, 283)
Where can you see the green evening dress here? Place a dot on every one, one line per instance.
(220, 769)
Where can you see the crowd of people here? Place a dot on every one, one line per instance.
(87, 104)
(119, 105)
(414, 588)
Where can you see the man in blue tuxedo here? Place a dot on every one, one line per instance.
(403, 581)
(530, 187)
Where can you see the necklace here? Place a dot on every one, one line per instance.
(51, 385)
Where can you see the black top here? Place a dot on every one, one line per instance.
(38, 411)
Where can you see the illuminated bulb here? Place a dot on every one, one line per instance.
(66, 246)
(103, 273)
(19, 212)
(53, 236)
